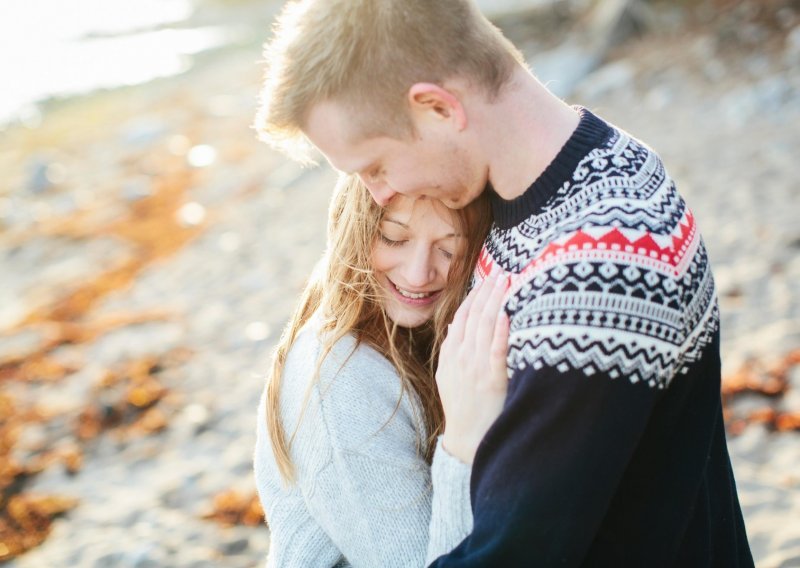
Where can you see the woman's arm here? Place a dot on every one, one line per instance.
(359, 464)
(451, 509)
(296, 541)
(472, 382)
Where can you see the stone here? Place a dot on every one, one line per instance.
(234, 546)
(109, 560)
(22, 343)
(612, 22)
(38, 181)
(562, 69)
(136, 341)
(136, 188)
(614, 77)
(791, 54)
(142, 132)
(498, 9)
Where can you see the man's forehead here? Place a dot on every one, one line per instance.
(333, 130)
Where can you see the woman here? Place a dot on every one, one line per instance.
(350, 465)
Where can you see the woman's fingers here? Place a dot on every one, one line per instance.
(474, 325)
(471, 375)
(471, 326)
(490, 311)
(455, 331)
(498, 353)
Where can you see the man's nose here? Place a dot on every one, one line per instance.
(380, 191)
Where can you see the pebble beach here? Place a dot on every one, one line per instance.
(151, 250)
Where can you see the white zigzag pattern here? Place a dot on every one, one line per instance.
(636, 202)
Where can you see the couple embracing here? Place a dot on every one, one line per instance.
(509, 353)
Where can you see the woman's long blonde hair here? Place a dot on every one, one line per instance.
(344, 289)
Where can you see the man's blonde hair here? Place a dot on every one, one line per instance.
(366, 54)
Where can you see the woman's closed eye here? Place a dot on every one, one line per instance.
(390, 242)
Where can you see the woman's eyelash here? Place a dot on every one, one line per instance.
(390, 242)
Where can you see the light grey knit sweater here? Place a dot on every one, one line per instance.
(363, 495)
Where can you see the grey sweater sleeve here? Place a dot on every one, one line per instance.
(361, 480)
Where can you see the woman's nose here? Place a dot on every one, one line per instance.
(420, 269)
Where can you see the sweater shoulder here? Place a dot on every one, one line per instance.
(612, 275)
(348, 397)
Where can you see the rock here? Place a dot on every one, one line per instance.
(38, 181)
(136, 188)
(230, 241)
(22, 343)
(608, 79)
(109, 560)
(286, 175)
(13, 310)
(791, 54)
(498, 9)
(136, 341)
(612, 22)
(751, 445)
(15, 213)
(562, 69)
(791, 399)
(234, 546)
(659, 98)
(142, 132)
(63, 204)
(743, 103)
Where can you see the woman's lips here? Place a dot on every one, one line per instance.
(424, 301)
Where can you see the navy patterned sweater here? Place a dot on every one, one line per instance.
(611, 448)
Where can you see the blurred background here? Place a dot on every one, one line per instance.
(151, 250)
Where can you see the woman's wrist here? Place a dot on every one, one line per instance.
(455, 446)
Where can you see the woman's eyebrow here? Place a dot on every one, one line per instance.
(395, 221)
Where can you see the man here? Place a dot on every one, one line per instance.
(610, 450)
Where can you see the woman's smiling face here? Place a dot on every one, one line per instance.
(417, 239)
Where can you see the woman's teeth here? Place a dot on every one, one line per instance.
(411, 295)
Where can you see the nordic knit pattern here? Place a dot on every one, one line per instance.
(610, 450)
(363, 496)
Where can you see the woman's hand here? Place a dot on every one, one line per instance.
(471, 376)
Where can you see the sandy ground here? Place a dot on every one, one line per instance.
(151, 250)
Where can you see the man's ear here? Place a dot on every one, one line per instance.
(437, 102)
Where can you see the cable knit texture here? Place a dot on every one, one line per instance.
(364, 496)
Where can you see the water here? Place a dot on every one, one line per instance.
(61, 48)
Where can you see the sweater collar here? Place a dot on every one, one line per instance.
(588, 135)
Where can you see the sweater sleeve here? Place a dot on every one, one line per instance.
(580, 398)
(451, 511)
(295, 539)
(546, 472)
(360, 470)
